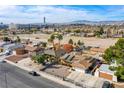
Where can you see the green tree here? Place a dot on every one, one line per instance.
(70, 41)
(68, 30)
(120, 72)
(100, 32)
(120, 43)
(116, 53)
(18, 40)
(55, 36)
(80, 43)
(34, 30)
(52, 38)
(109, 54)
(44, 44)
(40, 59)
(6, 39)
(77, 31)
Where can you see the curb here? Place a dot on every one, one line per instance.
(48, 76)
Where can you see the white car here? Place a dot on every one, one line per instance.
(7, 52)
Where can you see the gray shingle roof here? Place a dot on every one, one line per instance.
(59, 52)
(13, 46)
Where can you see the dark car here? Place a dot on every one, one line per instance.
(107, 84)
(33, 73)
(2, 61)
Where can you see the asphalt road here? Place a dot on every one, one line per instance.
(14, 77)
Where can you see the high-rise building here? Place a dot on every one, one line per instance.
(44, 20)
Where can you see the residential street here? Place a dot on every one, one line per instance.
(14, 77)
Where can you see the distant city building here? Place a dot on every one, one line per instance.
(3, 26)
(12, 27)
(44, 20)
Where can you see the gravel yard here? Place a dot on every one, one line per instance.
(57, 70)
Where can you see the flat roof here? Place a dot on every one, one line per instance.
(105, 68)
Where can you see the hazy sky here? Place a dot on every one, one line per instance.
(55, 14)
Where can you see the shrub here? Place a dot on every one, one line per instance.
(120, 73)
(112, 68)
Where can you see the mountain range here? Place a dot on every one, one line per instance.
(97, 22)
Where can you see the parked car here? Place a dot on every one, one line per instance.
(107, 84)
(8, 52)
(33, 73)
(2, 61)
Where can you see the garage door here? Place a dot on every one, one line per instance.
(105, 75)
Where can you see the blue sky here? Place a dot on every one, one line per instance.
(59, 14)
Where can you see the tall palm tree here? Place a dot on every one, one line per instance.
(52, 38)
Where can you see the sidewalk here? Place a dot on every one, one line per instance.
(48, 76)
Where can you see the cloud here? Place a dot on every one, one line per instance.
(35, 14)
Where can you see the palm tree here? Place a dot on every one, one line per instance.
(6, 39)
(70, 41)
(44, 44)
(18, 40)
(52, 38)
(34, 30)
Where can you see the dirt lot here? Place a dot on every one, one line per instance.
(89, 41)
(55, 69)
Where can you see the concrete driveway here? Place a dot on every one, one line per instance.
(85, 80)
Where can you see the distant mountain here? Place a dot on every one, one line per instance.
(97, 22)
(82, 22)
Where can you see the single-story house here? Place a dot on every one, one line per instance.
(104, 72)
(86, 65)
(117, 35)
(59, 52)
(33, 50)
(67, 59)
(98, 50)
(68, 48)
(13, 46)
(2, 43)
(79, 48)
